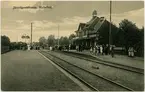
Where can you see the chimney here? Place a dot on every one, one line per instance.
(94, 14)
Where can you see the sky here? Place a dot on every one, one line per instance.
(66, 14)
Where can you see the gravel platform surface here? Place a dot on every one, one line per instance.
(28, 71)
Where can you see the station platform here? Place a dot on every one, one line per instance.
(29, 71)
(137, 62)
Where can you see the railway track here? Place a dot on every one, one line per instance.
(92, 88)
(93, 59)
(108, 84)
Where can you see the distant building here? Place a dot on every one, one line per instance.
(94, 32)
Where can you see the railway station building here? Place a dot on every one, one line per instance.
(94, 32)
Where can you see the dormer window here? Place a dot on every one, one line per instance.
(101, 19)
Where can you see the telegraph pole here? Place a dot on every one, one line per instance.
(110, 36)
(31, 33)
(58, 35)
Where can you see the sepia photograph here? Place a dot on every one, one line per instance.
(72, 45)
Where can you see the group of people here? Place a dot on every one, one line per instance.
(79, 48)
(131, 52)
(102, 50)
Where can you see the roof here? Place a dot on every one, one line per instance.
(94, 24)
(81, 25)
(99, 23)
(95, 21)
(89, 25)
(90, 22)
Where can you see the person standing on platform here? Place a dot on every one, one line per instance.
(77, 47)
(80, 48)
(107, 49)
(96, 50)
(91, 49)
(112, 51)
(69, 46)
(101, 50)
(50, 48)
(131, 52)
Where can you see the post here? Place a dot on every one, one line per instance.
(31, 34)
(58, 35)
(110, 37)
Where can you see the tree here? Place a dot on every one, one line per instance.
(119, 38)
(5, 41)
(131, 33)
(51, 40)
(142, 31)
(18, 45)
(71, 36)
(42, 41)
(14, 46)
(64, 40)
(139, 46)
(5, 44)
(36, 43)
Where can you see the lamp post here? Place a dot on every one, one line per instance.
(110, 36)
(50, 7)
(31, 34)
(25, 37)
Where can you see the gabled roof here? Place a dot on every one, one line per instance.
(95, 23)
(81, 25)
(90, 22)
(99, 23)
